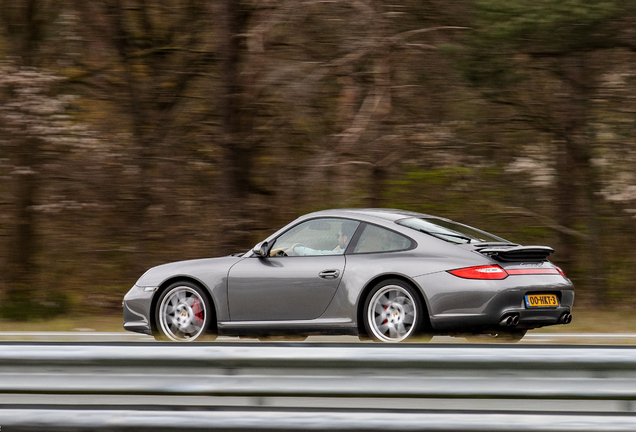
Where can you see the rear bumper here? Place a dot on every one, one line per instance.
(528, 319)
(534, 318)
(458, 305)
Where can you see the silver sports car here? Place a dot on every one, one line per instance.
(388, 275)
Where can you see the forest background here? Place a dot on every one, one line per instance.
(136, 132)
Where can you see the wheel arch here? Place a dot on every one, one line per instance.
(372, 283)
(165, 284)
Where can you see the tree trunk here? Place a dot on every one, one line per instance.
(22, 261)
(236, 158)
(23, 30)
(577, 184)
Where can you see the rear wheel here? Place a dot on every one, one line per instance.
(392, 312)
(183, 313)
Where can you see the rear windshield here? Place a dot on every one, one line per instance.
(448, 230)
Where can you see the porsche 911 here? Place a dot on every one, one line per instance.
(380, 274)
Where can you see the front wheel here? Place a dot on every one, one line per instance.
(183, 313)
(392, 312)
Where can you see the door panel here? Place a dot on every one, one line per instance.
(283, 288)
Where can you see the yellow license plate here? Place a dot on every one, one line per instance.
(541, 300)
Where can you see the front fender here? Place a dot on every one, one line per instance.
(211, 273)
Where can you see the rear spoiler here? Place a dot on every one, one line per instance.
(518, 253)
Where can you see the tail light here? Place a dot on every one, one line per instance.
(560, 271)
(486, 272)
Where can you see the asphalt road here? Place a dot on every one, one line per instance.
(530, 338)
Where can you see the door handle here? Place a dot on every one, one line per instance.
(329, 274)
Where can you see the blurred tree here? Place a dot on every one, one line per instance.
(535, 56)
(24, 25)
(213, 123)
(146, 55)
(335, 68)
(237, 141)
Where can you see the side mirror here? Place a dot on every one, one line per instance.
(261, 250)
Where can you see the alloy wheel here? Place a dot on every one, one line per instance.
(392, 314)
(182, 314)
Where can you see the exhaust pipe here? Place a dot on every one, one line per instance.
(566, 318)
(509, 320)
(506, 321)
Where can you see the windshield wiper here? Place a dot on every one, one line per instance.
(437, 234)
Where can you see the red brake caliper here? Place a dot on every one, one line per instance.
(197, 309)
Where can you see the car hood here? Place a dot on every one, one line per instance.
(200, 269)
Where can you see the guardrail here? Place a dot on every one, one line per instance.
(239, 386)
(111, 420)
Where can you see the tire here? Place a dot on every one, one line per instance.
(393, 312)
(184, 313)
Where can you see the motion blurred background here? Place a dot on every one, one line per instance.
(136, 132)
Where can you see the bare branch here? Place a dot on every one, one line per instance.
(423, 47)
(548, 222)
(344, 163)
(410, 33)
(350, 136)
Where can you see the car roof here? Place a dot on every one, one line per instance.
(379, 213)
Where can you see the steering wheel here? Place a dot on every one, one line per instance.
(290, 250)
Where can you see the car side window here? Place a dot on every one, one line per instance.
(326, 236)
(376, 239)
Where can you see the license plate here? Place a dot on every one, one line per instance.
(541, 300)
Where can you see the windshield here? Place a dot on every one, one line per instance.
(450, 231)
